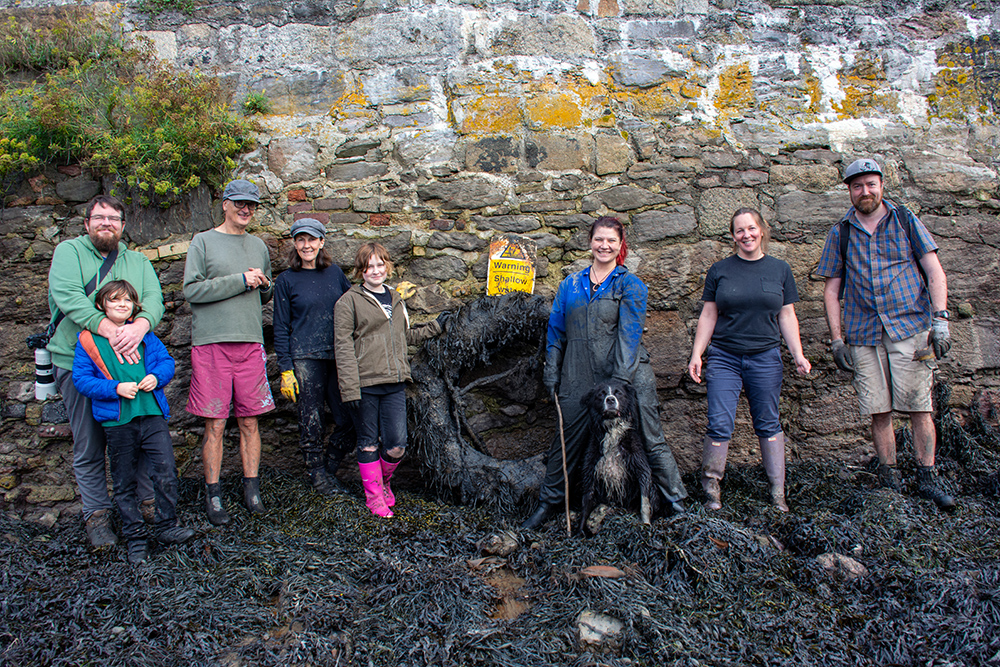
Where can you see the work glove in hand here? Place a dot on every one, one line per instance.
(289, 385)
(353, 406)
(552, 388)
(939, 338)
(842, 355)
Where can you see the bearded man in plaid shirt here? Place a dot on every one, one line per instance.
(895, 319)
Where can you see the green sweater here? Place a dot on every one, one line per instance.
(222, 309)
(74, 263)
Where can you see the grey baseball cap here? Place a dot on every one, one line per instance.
(241, 190)
(310, 226)
(862, 166)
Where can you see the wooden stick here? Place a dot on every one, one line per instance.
(562, 441)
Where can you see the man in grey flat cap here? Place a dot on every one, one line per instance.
(883, 262)
(227, 280)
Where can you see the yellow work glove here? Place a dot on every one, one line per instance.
(406, 289)
(289, 385)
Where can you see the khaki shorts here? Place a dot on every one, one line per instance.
(887, 378)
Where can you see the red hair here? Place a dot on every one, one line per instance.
(615, 224)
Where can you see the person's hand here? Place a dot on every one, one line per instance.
(127, 389)
(842, 355)
(802, 365)
(694, 369)
(939, 338)
(353, 406)
(255, 278)
(552, 388)
(289, 385)
(148, 383)
(126, 338)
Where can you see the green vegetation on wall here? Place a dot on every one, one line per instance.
(74, 91)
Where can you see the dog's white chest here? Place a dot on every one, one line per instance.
(611, 469)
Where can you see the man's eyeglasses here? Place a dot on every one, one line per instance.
(244, 204)
(114, 219)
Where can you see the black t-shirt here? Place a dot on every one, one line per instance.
(384, 298)
(749, 296)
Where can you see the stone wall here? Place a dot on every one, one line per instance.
(434, 126)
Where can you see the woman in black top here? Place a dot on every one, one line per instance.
(748, 309)
(304, 297)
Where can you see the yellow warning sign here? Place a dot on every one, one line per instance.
(512, 265)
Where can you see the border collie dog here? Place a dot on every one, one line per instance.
(615, 467)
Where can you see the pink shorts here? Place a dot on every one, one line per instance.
(229, 373)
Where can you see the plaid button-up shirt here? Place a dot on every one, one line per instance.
(884, 287)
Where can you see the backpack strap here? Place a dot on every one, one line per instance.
(87, 341)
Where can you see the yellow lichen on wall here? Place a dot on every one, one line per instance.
(552, 111)
(955, 93)
(352, 102)
(863, 86)
(491, 115)
(667, 98)
(967, 82)
(735, 94)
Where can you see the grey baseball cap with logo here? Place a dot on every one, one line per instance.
(310, 226)
(241, 190)
(862, 166)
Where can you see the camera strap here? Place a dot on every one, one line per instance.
(88, 289)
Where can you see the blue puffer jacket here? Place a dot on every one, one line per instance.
(102, 392)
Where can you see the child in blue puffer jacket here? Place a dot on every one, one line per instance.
(127, 399)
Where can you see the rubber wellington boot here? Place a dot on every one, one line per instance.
(772, 452)
(927, 488)
(888, 477)
(713, 467)
(371, 480)
(387, 470)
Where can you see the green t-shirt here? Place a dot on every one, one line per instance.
(144, 403)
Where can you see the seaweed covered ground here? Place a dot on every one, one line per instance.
(321, 581)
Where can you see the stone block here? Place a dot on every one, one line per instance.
(493, 154)
(322, 217)
(720, 158)
(425, 148)
(402, 37)
(333, 203)
(640, 71)
(300, 207)
(461, 241)
(343, 217)
(54, 412)
(628, 197)
(77, 190)
(547, 206)
(431, 299)
(293, 159)
(164, 43)
(465, 193)
(442, 268)
(378, 220)
(613, 154)
(12, 410)
(549, 35)
(811, 177)
(355, 171)
(574, 221)
(716, 208)
(649, 7)
(752, 177)
(507, 223)
(21, 392)
(559, 152)
(957, 174)
(815, 212)
(395, 86)
(654, 35)
(49, 493)
(488, 114)
(296, 195)
(659, 224)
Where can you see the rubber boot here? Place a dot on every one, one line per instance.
(540, 516)
(217, 514)
(251, 495)
(713, 467)
(318, 477)
(888, 477)
(371, 480)
(387, 470)
(927, 488)
(772, 453)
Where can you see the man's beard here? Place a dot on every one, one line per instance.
(868, 204)
(105, 242)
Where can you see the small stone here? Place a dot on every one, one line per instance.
(502, 543)
(595, 629)
(841, 566)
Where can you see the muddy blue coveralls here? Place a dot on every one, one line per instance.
(594, 339)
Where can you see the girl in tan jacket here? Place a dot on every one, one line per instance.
(372, 329)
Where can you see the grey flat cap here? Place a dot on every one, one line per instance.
(310, 226)
(241, 190)
(862, 166)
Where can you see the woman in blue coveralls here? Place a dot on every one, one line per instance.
(595, 335)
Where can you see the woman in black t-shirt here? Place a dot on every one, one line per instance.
(749, 307)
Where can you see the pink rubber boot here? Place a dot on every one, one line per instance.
(387, 470)
(371, 480)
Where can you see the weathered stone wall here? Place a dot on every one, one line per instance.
(433, 126)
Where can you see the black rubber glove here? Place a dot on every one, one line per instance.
(842, 355)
